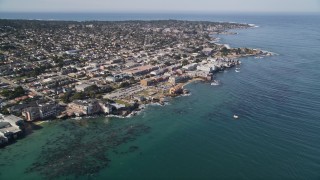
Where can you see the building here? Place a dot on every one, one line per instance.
(48, 110)
(201, 74)
(82, 87)
(116, 78)
(41, 111)
(207, 51)
(140, 70)
(174, 67)
(147, 82)
(178, 79)
(3, 139)
(190, 67)
(14, 120)
(209, 68)
(9, 128)
(84, 107)
(116, 60)
(106, 108)
(31, 113)
(159, 72)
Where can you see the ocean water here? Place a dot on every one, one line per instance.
(277, 135)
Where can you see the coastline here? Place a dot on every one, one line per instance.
(124, 84)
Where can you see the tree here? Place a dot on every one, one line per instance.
(225, 51)
(177, 57)
(92, 94)
(197, 60)
(124, 84)
(78, 96)
(93, 88)
(17, 92)
(4, 110)
(167, 63)
(66, 97)
(185, 62)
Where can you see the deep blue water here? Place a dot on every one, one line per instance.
(277, 99)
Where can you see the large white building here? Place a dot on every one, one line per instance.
(190, 67)
(207, 68)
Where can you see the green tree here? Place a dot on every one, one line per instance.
(78, 96)
(185, 62)
(17, 92)
(124, 84)
(66, 97)
(225, 51)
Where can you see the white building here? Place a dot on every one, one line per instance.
(106, 108)
(190, 67)
(207, 68)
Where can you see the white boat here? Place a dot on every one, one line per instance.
(237, 70)
(215, 83)
(235, 116)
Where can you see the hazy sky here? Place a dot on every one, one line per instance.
(159, 5)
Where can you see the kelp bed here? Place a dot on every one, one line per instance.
(82, 150)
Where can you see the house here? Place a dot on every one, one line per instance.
(82, 87)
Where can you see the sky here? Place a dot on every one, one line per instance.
(280, 6)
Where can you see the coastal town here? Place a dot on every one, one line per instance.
(60, 69)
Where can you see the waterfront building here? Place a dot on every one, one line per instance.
(200, 74)
(9, 129)
(31, 113)
(190, 67)
(209, 68)
(178, 79)
(84, 107)
(106, 107)
(41, 111)
(48, 110)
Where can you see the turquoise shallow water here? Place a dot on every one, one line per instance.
(276, 137)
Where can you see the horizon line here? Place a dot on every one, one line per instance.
(170, 12)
